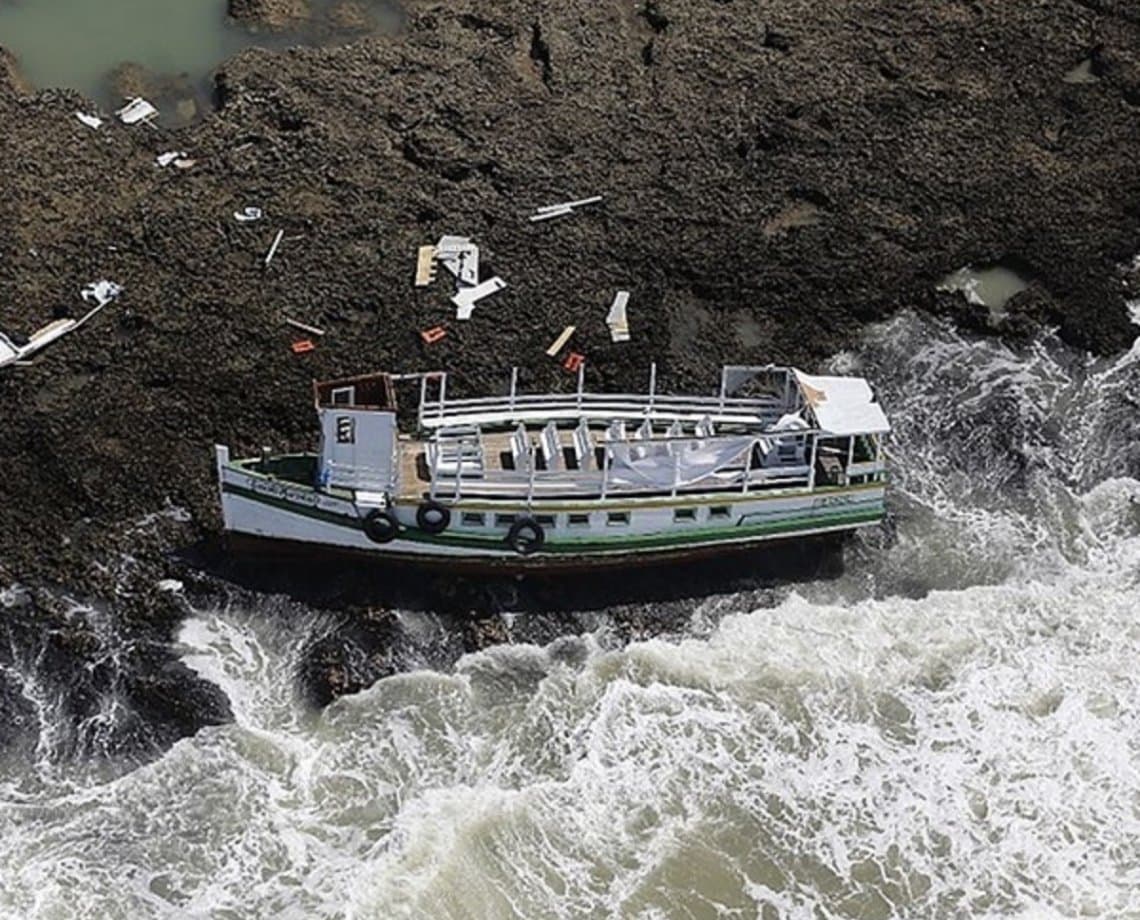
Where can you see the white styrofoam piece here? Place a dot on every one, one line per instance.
(467, 298)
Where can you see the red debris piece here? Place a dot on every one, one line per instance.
(574, 361)
(433, 335)
(303, 346)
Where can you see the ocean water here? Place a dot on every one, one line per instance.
(950, 729)
(76, 43)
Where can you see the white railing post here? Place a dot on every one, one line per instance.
(723, 386)
(514, 386)
(748, 466)
(530, 480)
(423, 399)
(605, 470)
(442, 394)
(811, 463)
(652, 384)
(581, 384)
(435, 470)
(676, 472)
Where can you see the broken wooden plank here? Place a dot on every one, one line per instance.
(425, 266)
(273, 249)
(558, 344)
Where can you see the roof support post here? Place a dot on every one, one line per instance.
(811, 463)
(605, 469)
(530, 479)
(748, 467)
(442, 393)
(435, 470)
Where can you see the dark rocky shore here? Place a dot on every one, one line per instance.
(777, 176)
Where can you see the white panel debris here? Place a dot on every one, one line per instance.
(617, 320)
(100, 293)
(135, 111)
(92, 121)
(245, 215)
(466, 299)
(460, 257)
(550, 211)
(165, 159)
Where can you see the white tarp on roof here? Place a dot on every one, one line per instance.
(842, 405)
(661, 464)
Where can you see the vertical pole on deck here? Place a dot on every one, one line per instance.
(442, 393)
(723, 387)
(605, 469)
(652, 383)
(748, 466)
(581, 384)
(514, 386)
(423, 399)
(811, 462)
(435, 470)
(850, 458)
(530, 480)
(676, 472)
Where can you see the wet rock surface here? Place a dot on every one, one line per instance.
(777, 176)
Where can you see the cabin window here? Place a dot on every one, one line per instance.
(578, 520)
(617, 518)
(473, 519)
(344, 396)
(719, 512)
(505, 520)
(684, 515)
(544, 520)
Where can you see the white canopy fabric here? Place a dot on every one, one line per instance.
(683, 462)
(842, 405)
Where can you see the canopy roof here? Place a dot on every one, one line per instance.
(842, 405)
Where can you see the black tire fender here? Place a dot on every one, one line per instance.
(380, 526)
(432, 517)
(526, 536)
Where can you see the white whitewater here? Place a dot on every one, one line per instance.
(951, 729)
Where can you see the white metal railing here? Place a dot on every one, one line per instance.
(736, 474)
(515, 406)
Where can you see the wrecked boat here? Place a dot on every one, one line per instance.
(575, 480)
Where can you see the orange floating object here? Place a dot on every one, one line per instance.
(574, 361)
(303, 346)
(433, 335)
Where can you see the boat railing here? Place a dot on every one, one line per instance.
(735, 474)
(516, 406)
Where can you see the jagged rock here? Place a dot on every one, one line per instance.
(271, 15)
(10, 73)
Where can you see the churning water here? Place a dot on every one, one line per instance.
(951, 729)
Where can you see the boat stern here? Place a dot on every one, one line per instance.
(221, 461)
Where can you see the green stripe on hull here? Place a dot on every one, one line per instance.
(630, 542)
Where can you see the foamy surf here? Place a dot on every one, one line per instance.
(949, 729)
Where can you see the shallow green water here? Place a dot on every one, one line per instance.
(76, 43)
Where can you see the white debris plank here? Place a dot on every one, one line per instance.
(550, 215)
(569, 205)
(467, 298)
(617, 319)
(273, 249)
(304, 327)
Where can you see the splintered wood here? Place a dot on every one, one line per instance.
(558, 344)
(425, 266)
